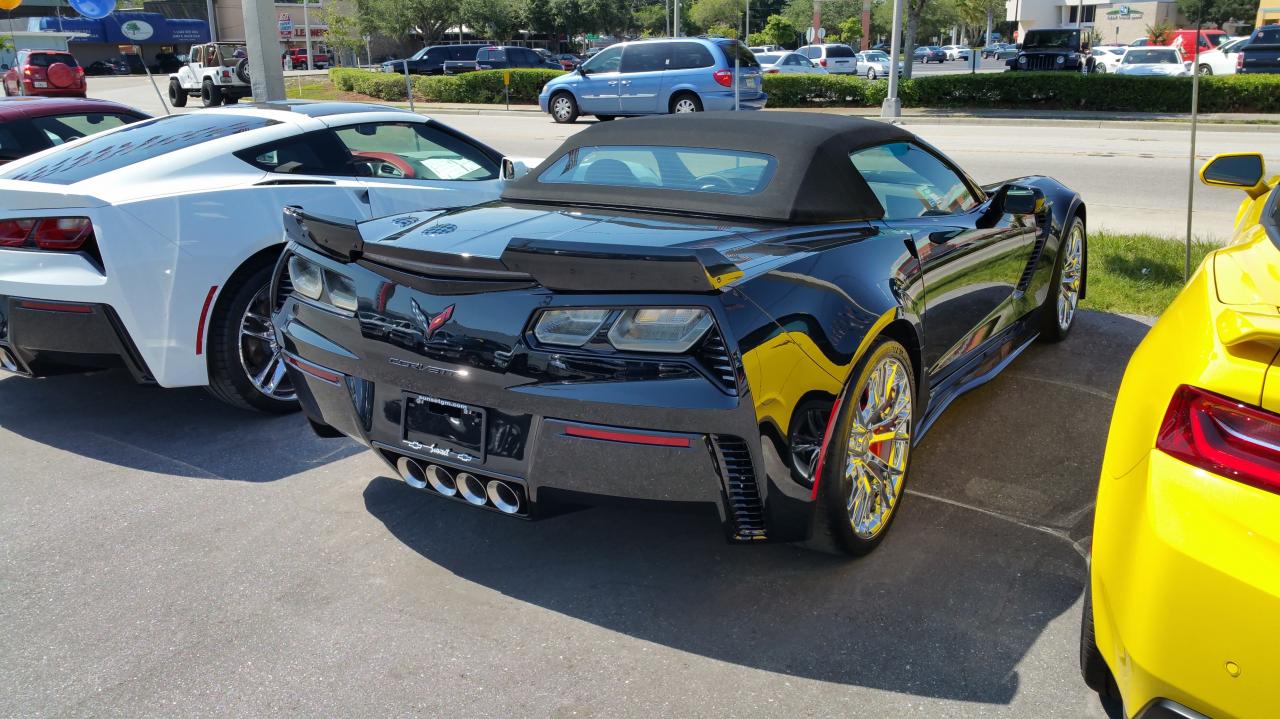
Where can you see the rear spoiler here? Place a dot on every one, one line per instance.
(20, 196)
(554, 264)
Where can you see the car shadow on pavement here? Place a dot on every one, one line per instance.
(988, 548)
(107, 417)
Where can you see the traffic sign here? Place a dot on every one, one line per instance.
(821, 34)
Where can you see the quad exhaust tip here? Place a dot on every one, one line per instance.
(504, 496)
(506, 499)
(471, 489)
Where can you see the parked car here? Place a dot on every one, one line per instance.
(1261, 54)
(1153, 61)
(194, 199)
(31, 124)
(957, 52)
(296, 59)
(757, 49)
(1141, 42)
(657, 76)
(652, 283)
(51, 73)
(835, 58)
(874, 64)
(1104, 59)
(1185, 520)
(431, 60)
(568, 60)
(1214, 61)
(500, 58)
(1006, 52)
(989, 51)
(216, 72)
(110, 66)
(1184, 41)
(787, 63)
(929, 53)
(1043, 50)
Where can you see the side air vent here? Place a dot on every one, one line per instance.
(285, 288)
(714, 356)
(1030, 270)
(745, 507)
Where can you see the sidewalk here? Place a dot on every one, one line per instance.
(1234, 122)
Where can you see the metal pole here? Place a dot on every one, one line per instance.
(262, 36)
(408, 85)
(152, 78)
(676, 16)
(666, 15)
(306, 28)
(1195, 116)
(213, 21)
(736, 79)
(892, 106)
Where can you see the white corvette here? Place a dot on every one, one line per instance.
(152, 246)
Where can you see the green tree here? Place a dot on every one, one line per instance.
(723, 30)
(834, 12)
(717, 13)
(851, 30)
(1160, 33)
(402, 18)
(778, 30)
(494, 19)
(1218, 11)
(651, 20)
(344, 29)
(972, 16)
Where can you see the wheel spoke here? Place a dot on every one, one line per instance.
(261, 378)
(276, 377)
(258, 334)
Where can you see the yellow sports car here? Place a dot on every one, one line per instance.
(1182, 611)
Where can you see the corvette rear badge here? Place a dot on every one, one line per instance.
(430, 323)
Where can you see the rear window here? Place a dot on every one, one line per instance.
(45, 59)
(686, 169)
(132, 144)
(732, 47)
(1266, 36)
(19, 138)
(840, 51)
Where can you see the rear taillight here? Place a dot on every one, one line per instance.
(773, 71)
(58, 234)
(1223, 436)
(1239, 61)
(823, 62)
(723, 77)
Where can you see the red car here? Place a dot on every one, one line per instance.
(32, 124)
(53, 73)
(298, 59)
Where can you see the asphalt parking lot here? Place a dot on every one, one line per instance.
(165, 555)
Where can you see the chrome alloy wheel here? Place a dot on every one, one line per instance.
(260, 354)
(562, 108)
(878, 445)
(810, 429)
(1069, 281)
(685, 104)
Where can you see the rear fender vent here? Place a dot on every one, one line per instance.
(1025, 282)
(713, 355)
(746, 510)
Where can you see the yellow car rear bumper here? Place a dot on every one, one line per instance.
(1186, 589)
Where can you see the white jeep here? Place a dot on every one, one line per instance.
(216, 72)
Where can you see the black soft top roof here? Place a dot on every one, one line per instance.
(814, 181)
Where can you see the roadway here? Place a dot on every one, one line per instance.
(1133, 177)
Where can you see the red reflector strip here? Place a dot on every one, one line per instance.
(313, 370)
(822, 451)
(54, 307)
(610, 435)
(204, 315)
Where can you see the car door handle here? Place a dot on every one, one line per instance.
(612, 82)
(626, 82)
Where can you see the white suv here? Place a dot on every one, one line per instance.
(837, 59)
(216, 72)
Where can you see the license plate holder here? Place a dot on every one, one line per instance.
(40, 83)
(443, 428)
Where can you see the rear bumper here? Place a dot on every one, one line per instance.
(1186, 591)
(41, 337)
(719, 101)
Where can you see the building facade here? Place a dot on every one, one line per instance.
(1116, 22)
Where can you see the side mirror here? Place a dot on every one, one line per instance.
(1242, 170)
(513, 169)
(1022, 201)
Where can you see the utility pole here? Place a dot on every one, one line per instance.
(666, 15)
(817, 22)
(1195, 116)
(676, 20)
(892, 106)
(213, 21)
(866, 26)
(306, 28)
(262, 37)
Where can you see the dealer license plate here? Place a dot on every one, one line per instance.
(442, 428)
(38, 83)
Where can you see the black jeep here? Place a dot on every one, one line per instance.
(1049, 50)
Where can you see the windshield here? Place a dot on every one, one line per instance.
(767, 58)
(130, 145)
(1052, 40)
(1155, 56)
(685, 169)
(876, 57)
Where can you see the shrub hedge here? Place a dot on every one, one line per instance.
(1013, 90)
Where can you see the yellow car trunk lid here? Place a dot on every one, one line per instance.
(1247, 278)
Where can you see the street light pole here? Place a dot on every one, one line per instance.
(892, 106)
(306, 28)
(262, 37)
(1195, 115)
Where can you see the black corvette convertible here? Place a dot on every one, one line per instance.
(760, 312)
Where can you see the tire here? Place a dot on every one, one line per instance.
(210, 96)
(685, 102)
(1205, 70)
(230, 99)
(177, 96)
(1055, 320)
(564, 109)
(834, 519)
(231, 353)
(242, 70)
(871, 74)
(1093, 667)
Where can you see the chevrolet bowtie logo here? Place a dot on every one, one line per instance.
(430, 323)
